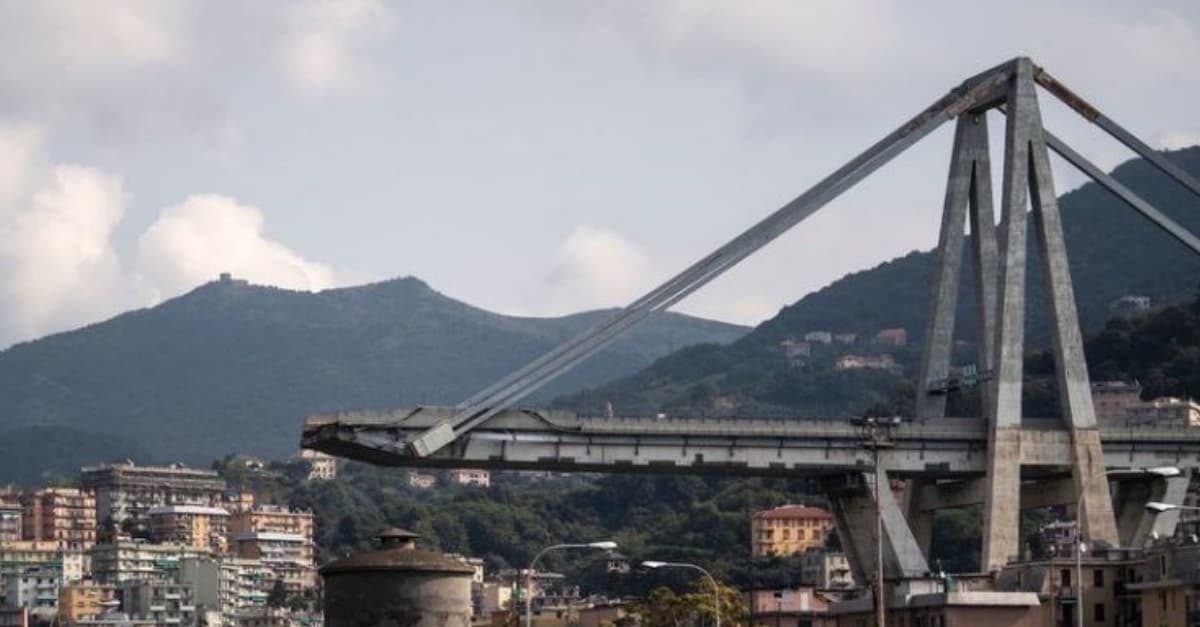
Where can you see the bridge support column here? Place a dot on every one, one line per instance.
(855, 517)
(1136, 524)
(1027, 180)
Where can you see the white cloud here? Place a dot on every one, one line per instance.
(208, 234)
(57, 266)
(320, 50)
(595, 267)
(782, 42)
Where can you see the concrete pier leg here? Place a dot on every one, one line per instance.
(1137, 525)
(855, 518)
(1001, 494)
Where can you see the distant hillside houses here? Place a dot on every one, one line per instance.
(867, 362)
(1120, 403)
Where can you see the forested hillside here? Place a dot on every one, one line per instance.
(1112, 250)
(231, 367)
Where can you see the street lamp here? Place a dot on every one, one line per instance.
(1159, 508)
(711, 579)
(603, 545)
(1157, 471)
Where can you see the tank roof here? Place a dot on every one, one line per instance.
(398, 553)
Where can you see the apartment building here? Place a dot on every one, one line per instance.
(197, 526)
(228, 585)
(164, 602)
(125, 492)
(127, 560)
(36, 589)
(66, 516)
(10, 516)
(84, 600)
(288, 555)
(789, 530)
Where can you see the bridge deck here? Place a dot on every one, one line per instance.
(565, 441)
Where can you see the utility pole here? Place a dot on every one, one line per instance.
(877, 436)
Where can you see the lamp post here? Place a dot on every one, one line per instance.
(711, 579)
(877, 434)
(1158, 471)
(603, 545)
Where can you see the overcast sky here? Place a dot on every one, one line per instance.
(527, 157)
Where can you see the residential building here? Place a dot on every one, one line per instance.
(66, 516)
(1055, 539)
(197, 526)
(14, 616)
(892, 337)
(792, 607)
(10, 515)
(1166, 411)
(324, 466)
(1167, 585)
(1129, 305)
(1107, 576)
(228, 585)
(288, 555)
(84, 600)
(35, 588)
(126, 560)
(866, 362)
(825, 570)
(281, 538)
(934, 603)
(789, 530)
(819, 337)
(164, 602)
(793, 349)
(845, 338)
(25, 555)
(1113, 400)
(470, 476)
(420, 480)
(237, 502)
(125, 492)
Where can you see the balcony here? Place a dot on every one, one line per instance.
(1066, 595)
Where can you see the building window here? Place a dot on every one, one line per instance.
(1098, 578)
(1065, 576)
(1098, 613)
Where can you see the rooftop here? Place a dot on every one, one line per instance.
(794, 511)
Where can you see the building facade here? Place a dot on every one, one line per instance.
(164, 602)
(470, 476)
(84, 600)
(197, 526)
(126, 560)
(323, 466)
(825, 570)
(789, 530)
(125, 492)
(66, 516)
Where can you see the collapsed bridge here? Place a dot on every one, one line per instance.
(1003, 461)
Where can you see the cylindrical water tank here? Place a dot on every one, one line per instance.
(397, 585)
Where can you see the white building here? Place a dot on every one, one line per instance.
(324, 467)
(35, 588)
(824, 337)
(471, 476)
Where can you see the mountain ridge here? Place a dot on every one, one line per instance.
(234, 367)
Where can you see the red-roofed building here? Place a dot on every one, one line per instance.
(789, 529)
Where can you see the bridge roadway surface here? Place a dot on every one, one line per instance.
(944, 448)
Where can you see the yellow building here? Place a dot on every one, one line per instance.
(789, 529)
(196, 526)
(84, 600)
